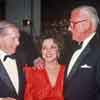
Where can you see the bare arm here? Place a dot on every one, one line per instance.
(7, 98)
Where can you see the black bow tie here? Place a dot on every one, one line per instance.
(9, 56)
(79, 45)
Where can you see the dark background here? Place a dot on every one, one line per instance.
(57, 8)
(2, 9)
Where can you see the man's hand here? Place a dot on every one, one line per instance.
(39, 63)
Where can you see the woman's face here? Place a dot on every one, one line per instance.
(50, 50)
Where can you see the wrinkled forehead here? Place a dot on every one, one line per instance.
(12, 31)
(79, 14)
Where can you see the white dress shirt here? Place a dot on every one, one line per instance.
(77, 53)
(11, 68)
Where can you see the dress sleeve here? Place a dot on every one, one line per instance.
(28, 84)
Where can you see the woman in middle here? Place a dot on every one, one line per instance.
(46, 83)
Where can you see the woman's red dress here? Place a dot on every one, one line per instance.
(38, 86)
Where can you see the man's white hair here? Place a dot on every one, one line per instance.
(92, 12)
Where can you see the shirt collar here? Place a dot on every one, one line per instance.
(86, 41)
(2, 55)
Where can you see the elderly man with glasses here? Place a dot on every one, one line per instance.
(82, 78)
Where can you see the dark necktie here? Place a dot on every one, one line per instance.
(9, 56)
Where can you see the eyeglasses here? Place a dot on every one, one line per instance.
(72, 23)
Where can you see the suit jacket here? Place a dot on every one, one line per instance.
(6, 87)
(83, 83)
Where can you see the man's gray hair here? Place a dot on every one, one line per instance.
(92, 12)
(5, 25)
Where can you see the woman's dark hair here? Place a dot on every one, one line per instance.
(58, 39)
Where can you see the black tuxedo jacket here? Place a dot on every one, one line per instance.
(83, 83)
(6, 87)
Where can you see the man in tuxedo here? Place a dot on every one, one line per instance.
(11, 76)
(82, 78)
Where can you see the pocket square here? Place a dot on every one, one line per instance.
(86, 66)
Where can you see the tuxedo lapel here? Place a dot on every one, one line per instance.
(91, 45)
(5, 78)
(78, 61)
(20, 77)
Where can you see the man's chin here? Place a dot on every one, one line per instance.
(13, 52)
